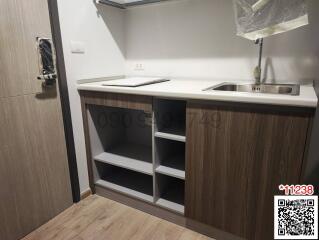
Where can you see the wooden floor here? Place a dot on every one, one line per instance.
(97, 218)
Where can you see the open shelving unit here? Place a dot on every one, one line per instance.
(169, 148)
(122, 152)
(139, 154)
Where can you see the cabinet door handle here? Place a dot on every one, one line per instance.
(46, 57)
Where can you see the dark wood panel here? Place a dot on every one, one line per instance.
(33, 164)
(136, 102)
(33, 158)
(236, 158)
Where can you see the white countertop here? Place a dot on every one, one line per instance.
(193, 89)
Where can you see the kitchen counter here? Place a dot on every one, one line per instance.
(158, 149)
(193, 89)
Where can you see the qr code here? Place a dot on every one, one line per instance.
(296, 217)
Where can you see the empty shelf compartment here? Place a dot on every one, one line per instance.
(125, 181)
(170, 193)
(170, 119)
(170, 158)
(130, 156)
(121, 137)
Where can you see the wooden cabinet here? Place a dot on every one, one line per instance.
(236, 156)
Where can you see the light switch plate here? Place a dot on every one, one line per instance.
(77, 47)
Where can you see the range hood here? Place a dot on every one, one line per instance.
(123, 4)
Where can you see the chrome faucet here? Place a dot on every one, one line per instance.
(257, 70)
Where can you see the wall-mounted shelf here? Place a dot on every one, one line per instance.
(123, 4)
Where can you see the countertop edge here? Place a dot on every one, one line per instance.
(310, 103)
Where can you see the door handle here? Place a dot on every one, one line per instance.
(46, 56)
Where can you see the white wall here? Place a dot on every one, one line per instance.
(197, 38)
(101, 29)
(184, 38)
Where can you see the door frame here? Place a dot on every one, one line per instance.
(64, 98)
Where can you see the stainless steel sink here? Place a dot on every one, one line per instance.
(287, 89)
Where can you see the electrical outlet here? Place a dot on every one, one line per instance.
(139, 67)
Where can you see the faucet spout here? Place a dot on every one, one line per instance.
(257, 70)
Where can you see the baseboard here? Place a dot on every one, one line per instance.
(86, 194)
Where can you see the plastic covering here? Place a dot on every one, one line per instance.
(262, 18)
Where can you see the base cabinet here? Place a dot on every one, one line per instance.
(222, 174)
(136, 147)
(236, 157)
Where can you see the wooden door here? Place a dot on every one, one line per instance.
(34, 175)
(236, 159)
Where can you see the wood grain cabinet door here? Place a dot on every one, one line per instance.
(34, 171)
(236, 158)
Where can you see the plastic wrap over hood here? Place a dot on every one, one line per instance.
(262, 18)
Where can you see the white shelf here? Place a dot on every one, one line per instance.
(124, 190)
(170, 205)
(131, 156)
(171, 172)
(171, 135)
(125, 162)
